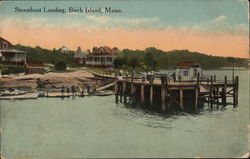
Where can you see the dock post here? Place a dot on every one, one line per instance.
(196, 96)
(116, 89)
(211, 92)
(181, 97)
(198, 79)
(142, 93)
(163, 94)
(132, 87)
(166, 92)
(124, 92)
(237, 89)
(121, 92)
(151, 90)
(224, 97)
(235, 92)
(214, 78)
(217, 96)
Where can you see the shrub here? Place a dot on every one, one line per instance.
(13, 69)
(60, 65)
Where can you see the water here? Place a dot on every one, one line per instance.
(97, 127)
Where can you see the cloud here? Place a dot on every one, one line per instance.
(127, 21)
(99, 19)
(220, 19)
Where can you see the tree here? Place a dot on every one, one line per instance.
(60, 65)
(149, 61)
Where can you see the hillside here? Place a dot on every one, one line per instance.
(140, 58)
(169, 59)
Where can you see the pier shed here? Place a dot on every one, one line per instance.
(187, 71)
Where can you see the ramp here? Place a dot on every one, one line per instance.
(106, 87)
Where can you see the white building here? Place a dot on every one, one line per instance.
(9, 55)
(187, 71)
(103, 56)
(64, 50)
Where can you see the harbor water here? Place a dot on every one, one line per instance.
(97, 127)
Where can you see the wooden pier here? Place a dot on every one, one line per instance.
(178, 95)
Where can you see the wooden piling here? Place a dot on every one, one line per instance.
(121, 92)
(116, 89)
(196, 96)
(142, 94)
(124, 92)
(235, 91)
(198, 79)
(163, 95)
(181, 97)
(217, 95)
(151, 90)
(166, 93)
(211, 92)
(224, 92)
(151, 94)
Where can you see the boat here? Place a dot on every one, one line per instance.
(31, 95)
(12, 92)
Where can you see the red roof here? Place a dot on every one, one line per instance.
(4, 39)
(33, 64)
(185, 64)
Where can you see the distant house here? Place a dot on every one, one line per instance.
(64, 50)
(34, 68)
(9, 55)
(79, 57)
(103, 56)
(187, 71)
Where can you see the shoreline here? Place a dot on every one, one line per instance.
(49, 80)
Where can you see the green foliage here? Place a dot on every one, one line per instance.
(39, 54)
(2, 68)
(152, 58)
(60, 65)
(149, 61)
(12, 69)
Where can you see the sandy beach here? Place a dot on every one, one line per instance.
(48, 80)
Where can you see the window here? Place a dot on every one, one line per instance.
(185, 73)
(109, 59)
(5, 45)
(195, 72)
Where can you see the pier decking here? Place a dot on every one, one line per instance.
(187, 94)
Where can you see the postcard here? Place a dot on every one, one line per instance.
(124, 79)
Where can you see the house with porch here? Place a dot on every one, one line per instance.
(9, 55)
(102, 56)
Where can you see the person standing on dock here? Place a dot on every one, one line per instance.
(68, 90)
(62, 90)
(73, 89)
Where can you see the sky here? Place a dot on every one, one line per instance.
(213, 27)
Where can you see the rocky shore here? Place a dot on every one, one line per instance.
(49, 80)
